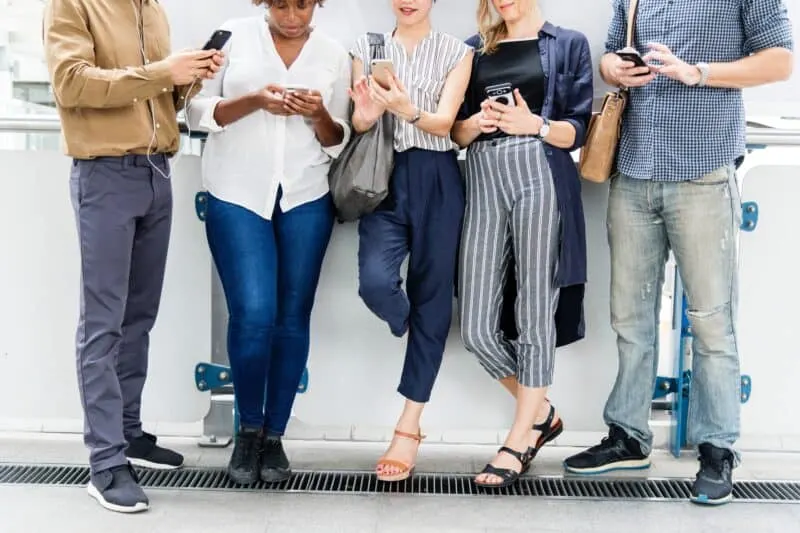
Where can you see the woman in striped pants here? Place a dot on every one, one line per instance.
(527, 106)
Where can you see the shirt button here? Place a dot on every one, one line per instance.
(164, 90)
(158, 125)
(135, 100)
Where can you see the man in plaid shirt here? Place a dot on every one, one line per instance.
(683, 137)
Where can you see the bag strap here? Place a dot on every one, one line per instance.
(377, 48)
(632, 8)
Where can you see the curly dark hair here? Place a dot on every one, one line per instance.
(268, 3)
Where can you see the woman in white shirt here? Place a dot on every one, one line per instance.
(276, 114)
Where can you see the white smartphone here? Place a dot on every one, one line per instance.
(295, 88)
(382, 70)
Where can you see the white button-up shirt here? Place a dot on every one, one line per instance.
(246, 162)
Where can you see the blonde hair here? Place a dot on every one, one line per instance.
(491, 27)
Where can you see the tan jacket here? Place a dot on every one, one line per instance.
(113, 90)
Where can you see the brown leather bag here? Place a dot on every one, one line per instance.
(602, 137)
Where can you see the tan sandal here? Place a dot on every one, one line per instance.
(405, 469)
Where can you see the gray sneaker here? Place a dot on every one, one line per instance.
(117, 489)
(714, 483)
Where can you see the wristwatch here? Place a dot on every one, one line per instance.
(704, 72)
(544, 131)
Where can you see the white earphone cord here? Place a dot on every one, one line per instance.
(154, 138)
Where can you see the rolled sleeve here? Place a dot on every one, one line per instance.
(615, 40)
(578, 111)
(339, 107)
(200, 113)
(766, 25)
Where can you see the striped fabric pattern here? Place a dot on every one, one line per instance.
(423, 74)
(511, 207)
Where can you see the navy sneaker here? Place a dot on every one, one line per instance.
(144, 452)
(117, 489)
(714, 483)
(618, 451)
(274, 463)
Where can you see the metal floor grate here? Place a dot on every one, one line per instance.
(420, 484)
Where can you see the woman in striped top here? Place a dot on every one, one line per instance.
(527, 106)
(423, 213)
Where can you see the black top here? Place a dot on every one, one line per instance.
(516, 63)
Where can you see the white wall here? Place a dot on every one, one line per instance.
(39, 281)
(193, 21)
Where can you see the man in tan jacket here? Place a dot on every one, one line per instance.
(117, 89)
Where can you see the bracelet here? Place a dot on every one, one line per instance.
(416, 117)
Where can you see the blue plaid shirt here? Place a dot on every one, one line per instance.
(673, 132)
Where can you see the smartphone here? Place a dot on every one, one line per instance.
(382, 70)
(295, 88)
(629, 54)
(503, 93)
(218, 40)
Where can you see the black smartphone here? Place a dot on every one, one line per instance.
(502, 92)
(217, 40)
(634, 57)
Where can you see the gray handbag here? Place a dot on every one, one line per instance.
(359, 177)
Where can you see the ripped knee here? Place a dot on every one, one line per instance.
(713, 329)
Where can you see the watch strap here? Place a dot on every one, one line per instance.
(705, 70)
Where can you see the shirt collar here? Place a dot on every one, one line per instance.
(548, 29)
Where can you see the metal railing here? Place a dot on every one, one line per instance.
(51, 124)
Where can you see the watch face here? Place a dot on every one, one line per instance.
(544, 130)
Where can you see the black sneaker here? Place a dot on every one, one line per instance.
(274, 463)
(144, 452)
(618, 451)
(246, 457)
(714, 483)
(117, 489)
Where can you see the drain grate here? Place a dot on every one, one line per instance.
(420, 484)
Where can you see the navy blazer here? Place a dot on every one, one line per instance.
(569, 73)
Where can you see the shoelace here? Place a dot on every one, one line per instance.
(247, 447)
(718, 466)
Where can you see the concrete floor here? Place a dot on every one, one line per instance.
(28, 509)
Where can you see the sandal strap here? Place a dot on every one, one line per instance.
(404, 467)
(522, 457)
(411, 436)
(505, 474)
(545, 426)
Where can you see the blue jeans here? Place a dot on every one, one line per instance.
(269, 272)
(699, 221)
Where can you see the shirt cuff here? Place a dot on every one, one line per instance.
(334, 151)
(207, 121)
(159, 73)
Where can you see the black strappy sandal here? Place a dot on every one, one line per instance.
(548, 431)
(508, 475)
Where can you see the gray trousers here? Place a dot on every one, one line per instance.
(511, 208)
(123, 209)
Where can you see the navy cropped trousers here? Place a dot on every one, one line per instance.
(421, 218)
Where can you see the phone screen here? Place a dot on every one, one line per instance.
(217, 40)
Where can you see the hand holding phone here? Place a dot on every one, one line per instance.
(637, 75)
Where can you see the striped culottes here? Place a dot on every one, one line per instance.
(510, 208)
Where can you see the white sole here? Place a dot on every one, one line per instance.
(142, 463)
(633, 464)
(94, 493)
